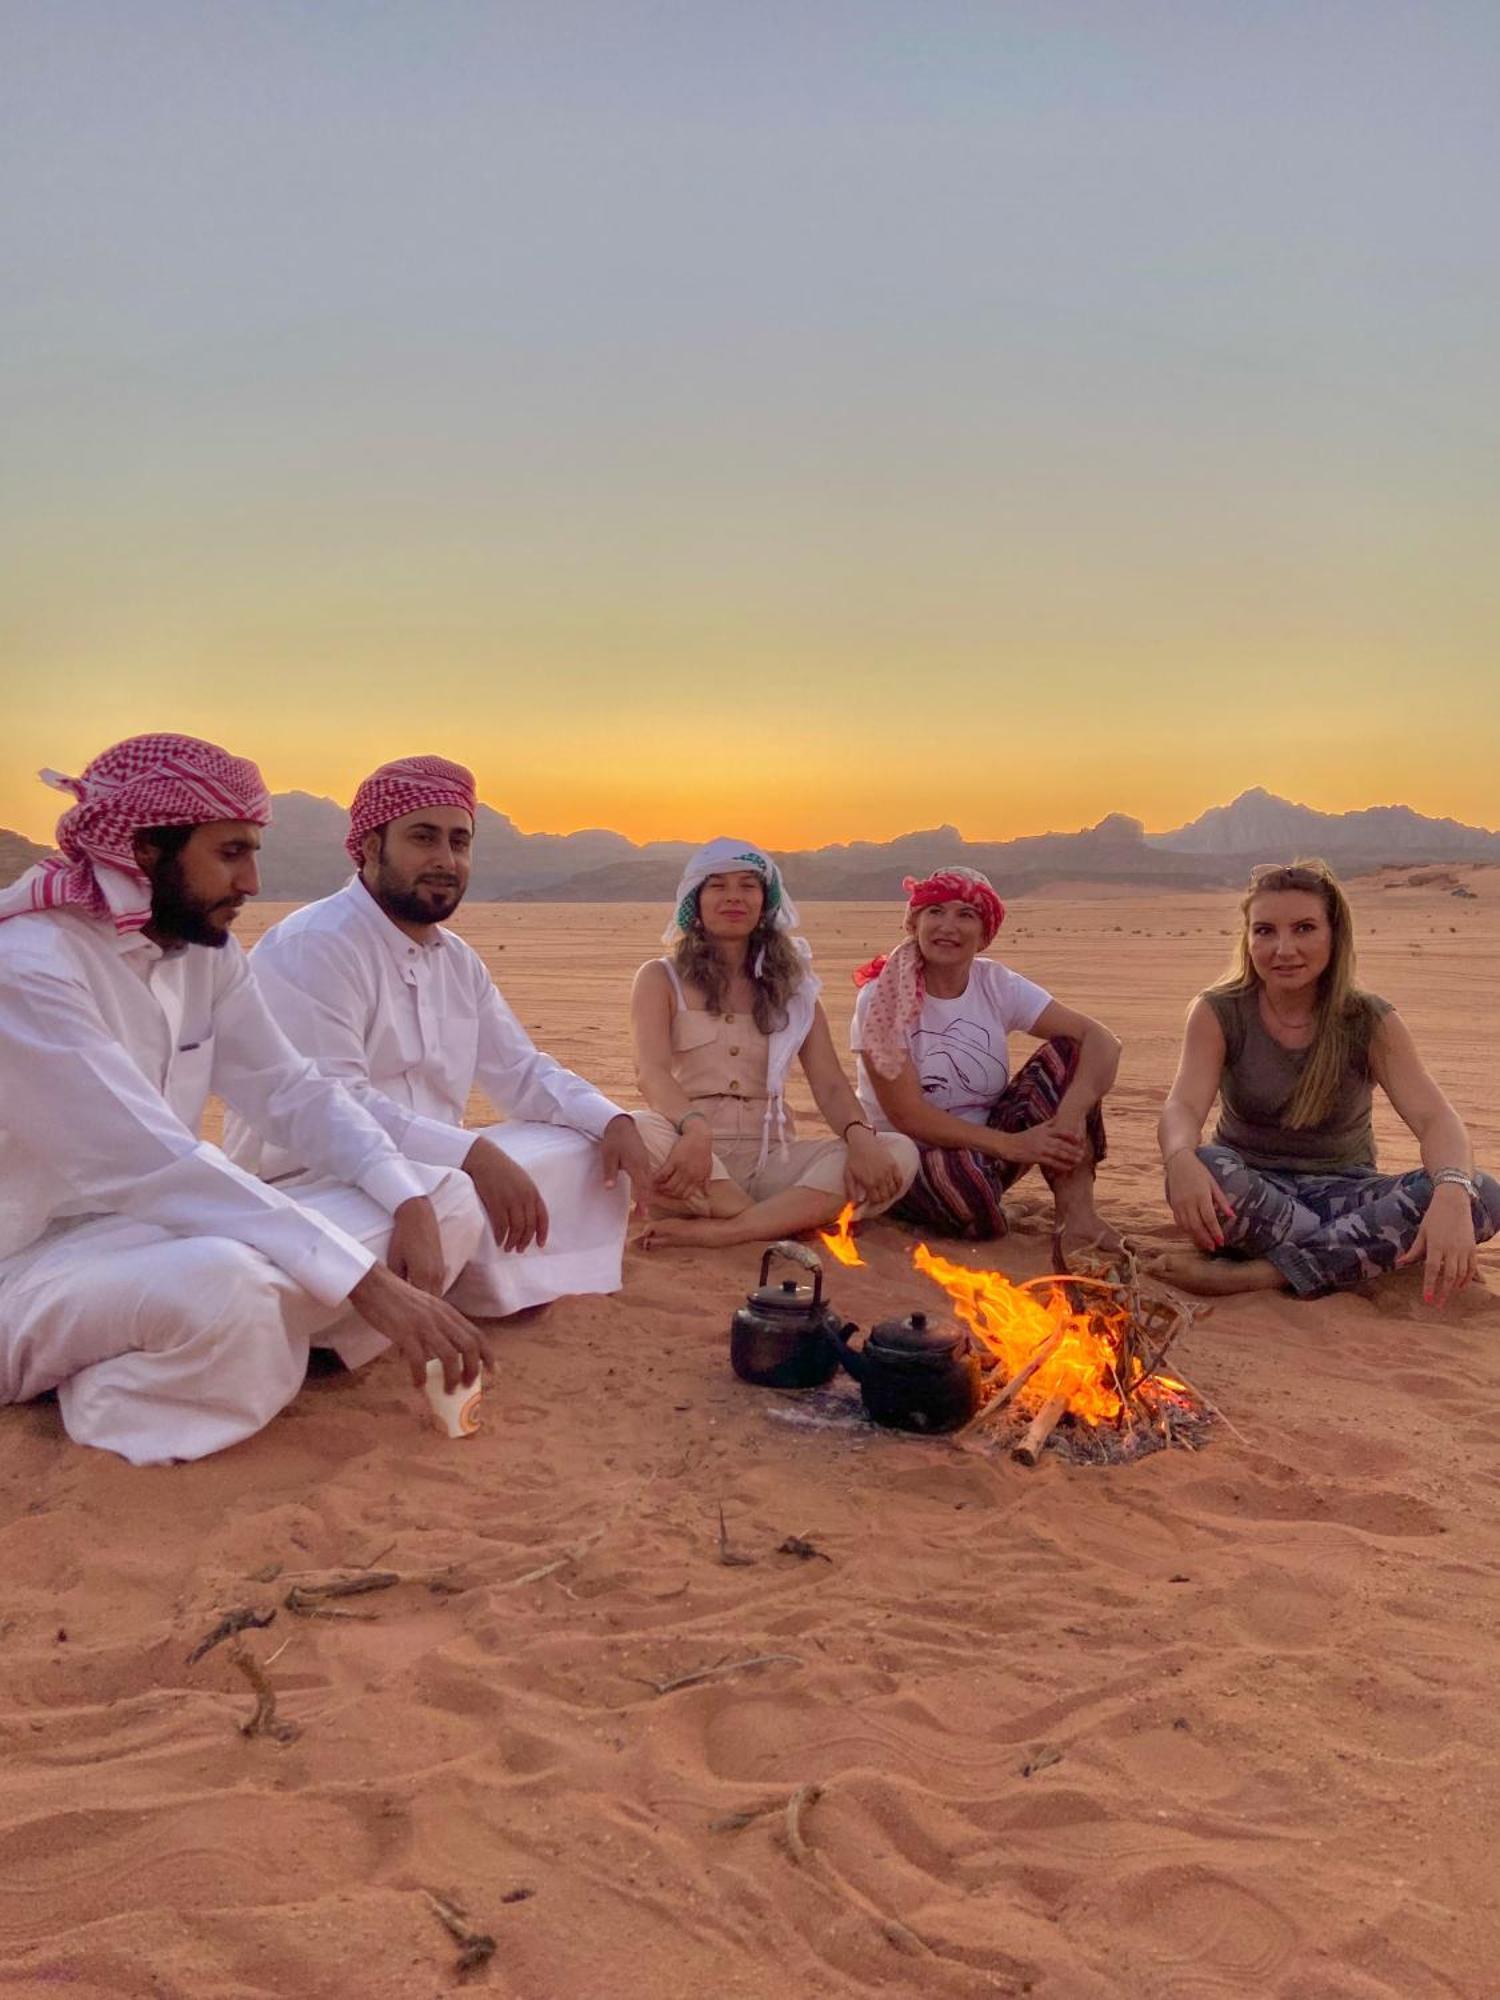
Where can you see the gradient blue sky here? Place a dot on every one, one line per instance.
(820, 420)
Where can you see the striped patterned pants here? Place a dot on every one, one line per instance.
(957, 1190)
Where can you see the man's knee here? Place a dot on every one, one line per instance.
(208, 1283)
(225, 1311)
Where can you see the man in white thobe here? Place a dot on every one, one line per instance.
(407, 1017)
(169, 1297)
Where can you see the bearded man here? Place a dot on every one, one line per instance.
(406, 1015)
(169, 1297)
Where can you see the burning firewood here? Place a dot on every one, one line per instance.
(1043, 1424)
(1076, 1354)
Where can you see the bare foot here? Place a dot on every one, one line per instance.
(1215, 1277)
(668, 1232)
(1086, 1245)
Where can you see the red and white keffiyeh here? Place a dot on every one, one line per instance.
(160, 780)
(405, 786)
(900, 988)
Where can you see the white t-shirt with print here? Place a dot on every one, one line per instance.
(958, 1047)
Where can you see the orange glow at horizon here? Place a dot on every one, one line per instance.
(653, 799)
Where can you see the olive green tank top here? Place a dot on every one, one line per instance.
(1259, 1080)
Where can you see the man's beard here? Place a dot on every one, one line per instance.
(414, 906)
(184, 918)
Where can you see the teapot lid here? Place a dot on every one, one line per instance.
(786, 1297)
(916, 1334)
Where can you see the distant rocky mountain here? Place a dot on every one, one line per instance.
(17, 854)
(1260, 826)
(303, 855)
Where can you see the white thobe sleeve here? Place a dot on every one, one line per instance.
(521, 1082)
(122, 1149)
(289, 1099)
(311, 986)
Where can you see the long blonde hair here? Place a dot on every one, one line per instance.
(1342, 1016)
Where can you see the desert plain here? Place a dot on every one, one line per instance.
(1213, 1723)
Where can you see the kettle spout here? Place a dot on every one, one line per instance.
(851, 1357)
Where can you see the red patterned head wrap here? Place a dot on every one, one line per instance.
(900, 989)
(403, 787)
(145, 781)
(956, 885)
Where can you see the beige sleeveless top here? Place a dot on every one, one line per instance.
(1259, 1080)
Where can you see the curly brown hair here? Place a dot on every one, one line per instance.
(776, 969)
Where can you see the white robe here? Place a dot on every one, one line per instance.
(410, 1029)
(168, 1295)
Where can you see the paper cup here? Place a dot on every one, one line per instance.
(457, 1410)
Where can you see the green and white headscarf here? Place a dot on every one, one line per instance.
(725, 856)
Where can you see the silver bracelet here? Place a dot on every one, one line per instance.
(1456, 1177)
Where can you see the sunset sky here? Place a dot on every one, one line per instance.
(806, 420)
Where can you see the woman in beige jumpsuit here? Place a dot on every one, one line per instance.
(716, 1026)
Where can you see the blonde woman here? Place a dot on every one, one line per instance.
(717, 1025)
(1287, 1197)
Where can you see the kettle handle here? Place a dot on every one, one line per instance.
(795, 1253)
(851, 1357)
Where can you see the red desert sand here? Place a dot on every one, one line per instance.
(918, 1720)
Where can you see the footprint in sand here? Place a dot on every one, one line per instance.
(1381, 1511)
(1291, 1613)
(1235, 1940)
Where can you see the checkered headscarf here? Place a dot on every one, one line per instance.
(722, 857)
(145, 781)
(403, 787)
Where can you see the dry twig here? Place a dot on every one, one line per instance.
(796, 1805)
(243, 1619)
(349, 1586)
(724, 1667)
(803, 1548)
(736, 1822)
(306, 1599)
(536, 1575)
(264, 1721)
(571, 1555)
(475, 1947)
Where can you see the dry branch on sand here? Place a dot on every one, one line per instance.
(475, 1947)
(264, 1722)
(243, 1618)
(722, 1668)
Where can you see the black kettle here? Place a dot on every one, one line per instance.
(783, 1336)
(915, 1374)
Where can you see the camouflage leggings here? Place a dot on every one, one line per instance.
(1322, 1231)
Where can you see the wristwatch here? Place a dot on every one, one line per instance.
(1456, 1177)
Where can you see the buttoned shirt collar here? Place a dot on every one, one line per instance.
(403, 949)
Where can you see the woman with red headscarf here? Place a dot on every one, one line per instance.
(930, 1031)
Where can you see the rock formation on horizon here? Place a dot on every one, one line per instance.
(303, 855)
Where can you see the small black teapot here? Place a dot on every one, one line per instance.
(915, 1374)
(783, 1336)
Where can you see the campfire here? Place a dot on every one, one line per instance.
(1068, 1359)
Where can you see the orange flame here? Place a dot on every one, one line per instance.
(1012, 1321)
(840, 1239)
